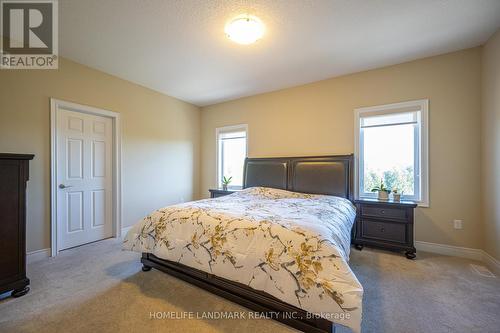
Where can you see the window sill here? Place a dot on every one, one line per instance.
(421, 204)
(235, 187)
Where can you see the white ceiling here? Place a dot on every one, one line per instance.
(178, 47)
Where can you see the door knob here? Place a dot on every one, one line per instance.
(62, 186)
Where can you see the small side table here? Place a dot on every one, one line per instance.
(385, 224)
(217, 192)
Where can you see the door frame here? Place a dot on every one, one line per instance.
(55, 104)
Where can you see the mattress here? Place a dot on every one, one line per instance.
(290, 245)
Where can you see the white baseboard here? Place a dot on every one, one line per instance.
(37, 255)
(463, 252)
(450, 250)
(492, 263)
(125, 230)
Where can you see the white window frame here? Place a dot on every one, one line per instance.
(218, 166)
(422, 159)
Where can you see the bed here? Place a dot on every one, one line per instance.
(279, 247)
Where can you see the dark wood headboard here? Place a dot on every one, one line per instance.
(331, 175)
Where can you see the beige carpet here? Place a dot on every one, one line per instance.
(99, 288)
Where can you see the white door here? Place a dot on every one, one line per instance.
(84, 178)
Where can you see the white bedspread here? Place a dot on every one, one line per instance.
(293, 246)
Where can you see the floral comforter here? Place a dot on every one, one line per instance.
(293, 246)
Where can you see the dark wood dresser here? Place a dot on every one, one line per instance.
(14, 172)
(215, 193)
(385, 224)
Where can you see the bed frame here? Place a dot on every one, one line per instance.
(331, 175)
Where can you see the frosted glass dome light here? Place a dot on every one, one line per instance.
(244, 29)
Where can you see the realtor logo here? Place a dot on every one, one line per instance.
(29, 34)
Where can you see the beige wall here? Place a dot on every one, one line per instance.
(160, 147)
(491, 144)
(313, 119)
(317, 119)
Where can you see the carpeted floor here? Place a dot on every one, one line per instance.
(99, 288)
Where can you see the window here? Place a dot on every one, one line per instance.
(231, 154)
(392, 146)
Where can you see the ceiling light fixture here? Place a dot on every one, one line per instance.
(245, 29)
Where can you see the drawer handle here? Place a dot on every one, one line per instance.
(382, 211)
(382, 229)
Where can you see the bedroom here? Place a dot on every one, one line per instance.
(319, 82)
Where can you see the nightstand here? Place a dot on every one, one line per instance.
(215, 193)
(385, 224)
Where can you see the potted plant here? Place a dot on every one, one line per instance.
(225, 182)
(396, 196)
(383, 192)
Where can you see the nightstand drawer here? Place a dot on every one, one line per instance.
(384, 212)
(391, 232)
(385, 224)
(219, 194)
